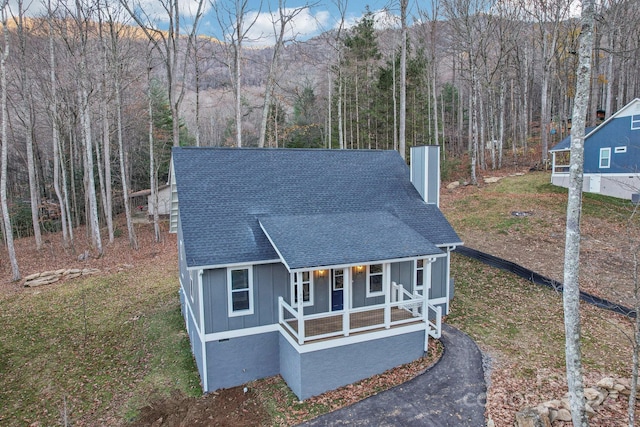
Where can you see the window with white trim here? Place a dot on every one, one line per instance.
(304, 279)
(191, 286)
(338, 279)
(635, 122)
(374, 280)
(605, 158)
(240, 291)
(419, 274)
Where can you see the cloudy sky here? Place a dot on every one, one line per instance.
(308, 21)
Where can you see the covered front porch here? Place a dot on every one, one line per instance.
(400, 309)
(352, 274)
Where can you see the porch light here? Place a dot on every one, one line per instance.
(360, 268)
(320, 273)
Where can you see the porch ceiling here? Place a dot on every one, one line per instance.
(309, 241)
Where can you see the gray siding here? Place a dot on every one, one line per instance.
(310, 374)
(191, 292)
(239, 360)
(196, 346)
(269, 282)
(359, 293)
(439, 278)
(403, 274)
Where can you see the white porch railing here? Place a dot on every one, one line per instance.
(404, 308)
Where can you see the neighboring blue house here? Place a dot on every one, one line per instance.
(324, 266)
(611, 155)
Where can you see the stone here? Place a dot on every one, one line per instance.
(606, 382)
(490, 423)
(492, 179)
(530, 417)
(453, 185)
(625, 382)
(554, 404)
(589, 410)
(619, 388)
(553, 414)
(595, 396)
(563, 415)
(613, 394)
(566, 403)
(73, 271)
(41, 281)
(32, 276)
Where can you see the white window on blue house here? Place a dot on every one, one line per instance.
(635, 122)
(304, 279)
(374, 280)
(240, 291)
(620, 149)
(419, 275)
(605, 158)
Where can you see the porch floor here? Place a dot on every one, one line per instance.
(331, 324)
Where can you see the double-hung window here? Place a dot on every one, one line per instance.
(635, 122)
(240, 291)
(304, 279)
(605, 158)
(374, 280)
(419, 274)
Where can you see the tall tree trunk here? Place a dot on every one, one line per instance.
(133, 242)
(25, 90)
(105, 177)
(55, 134)
(8, 231)
(403, 80)
(152, 166)
(571, 294)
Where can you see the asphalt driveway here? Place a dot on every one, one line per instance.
(450, 394)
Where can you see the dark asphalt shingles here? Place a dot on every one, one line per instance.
(450, 394)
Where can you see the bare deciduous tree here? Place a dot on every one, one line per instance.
(571, 294)
(8, 231)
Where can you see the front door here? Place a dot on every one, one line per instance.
(337, 289)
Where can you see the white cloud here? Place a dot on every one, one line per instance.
(303, 25)
(382, 19)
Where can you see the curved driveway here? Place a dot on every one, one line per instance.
(451, 393)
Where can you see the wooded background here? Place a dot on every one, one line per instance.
(94, 94)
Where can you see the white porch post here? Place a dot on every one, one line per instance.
(386, 280)
(346, 300)
(426, 288)
(300, 306)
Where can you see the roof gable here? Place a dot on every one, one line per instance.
(224, 192)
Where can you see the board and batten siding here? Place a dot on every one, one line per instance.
(439, 278)
(269, 282)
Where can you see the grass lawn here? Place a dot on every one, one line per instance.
(94, 348)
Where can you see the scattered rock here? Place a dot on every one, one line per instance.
(492, 179)
(48, 277)
(529, 417)
(606, 382)
(563, 415)
(604, 393)
(453, 185)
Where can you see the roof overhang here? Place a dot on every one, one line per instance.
(306, 242)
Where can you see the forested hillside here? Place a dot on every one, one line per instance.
(94, 96)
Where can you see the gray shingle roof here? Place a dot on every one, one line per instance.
(344, 238)
(224, 192)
